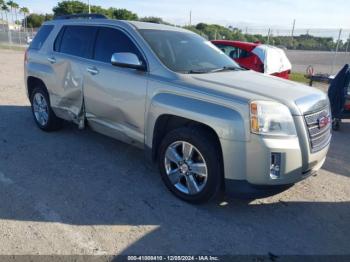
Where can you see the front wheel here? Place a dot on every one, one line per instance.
(336, 124)
(190, 164)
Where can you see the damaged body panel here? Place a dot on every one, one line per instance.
(66, 85)
(115, 101)
(67, 95)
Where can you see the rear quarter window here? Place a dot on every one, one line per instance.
(41, 37)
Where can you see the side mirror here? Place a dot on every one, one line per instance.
(128, 60)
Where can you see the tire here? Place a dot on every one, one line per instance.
(43, 115)
(189, 182)
(336, 124)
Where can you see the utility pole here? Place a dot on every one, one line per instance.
(190, 17)
(293, 34)
(268, 36)
(89, 7)
(336, 51)
(347, 45)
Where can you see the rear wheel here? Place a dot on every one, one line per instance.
(190, 165)
(43, 115)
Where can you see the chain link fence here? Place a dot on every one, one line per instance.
(16, 38)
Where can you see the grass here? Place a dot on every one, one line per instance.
(299, 77)
(12, 47)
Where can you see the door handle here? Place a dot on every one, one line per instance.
(51, 59)
(92, 70)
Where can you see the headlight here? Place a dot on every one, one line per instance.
(271, 118)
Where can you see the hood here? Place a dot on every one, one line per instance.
(250, 85)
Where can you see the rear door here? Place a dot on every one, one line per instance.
(72, 50)
(115, 96)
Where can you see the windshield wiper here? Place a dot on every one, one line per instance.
(220, 69)
(205, 71)
(225, 68)
(194, 71)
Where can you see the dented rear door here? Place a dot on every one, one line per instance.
(72, 50)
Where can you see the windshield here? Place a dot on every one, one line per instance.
(187, 52)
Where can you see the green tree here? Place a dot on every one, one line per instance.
(70, 7)
(6, 10)
(11, 5)
(36, 20)
(15, 7)
(78, 7)
(25, 11)
(122, 14)
(2, 2)
(153, 19)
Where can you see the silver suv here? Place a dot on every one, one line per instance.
(208, 123)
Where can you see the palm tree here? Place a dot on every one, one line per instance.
(2, 13)
(25, 11)
(5, 9)
(11, 4)
(15, 7)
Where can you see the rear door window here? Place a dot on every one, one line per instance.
(41, 37)
(76, 40)
(110, 41)
(233, 52)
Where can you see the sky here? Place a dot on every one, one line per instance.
(241, 13)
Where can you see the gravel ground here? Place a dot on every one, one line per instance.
(322, 61)
(78, 192)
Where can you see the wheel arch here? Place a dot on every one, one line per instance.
(226, 123)
(168, 122)
(32, 83)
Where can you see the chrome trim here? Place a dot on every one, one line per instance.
(312, 103)
(319, 138)
(128, 60)
(40, 109)
(186, 167)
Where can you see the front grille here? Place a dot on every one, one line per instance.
(319, 136)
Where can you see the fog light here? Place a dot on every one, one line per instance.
(275, 165)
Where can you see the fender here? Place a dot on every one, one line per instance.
(39, 71)
(226, 122)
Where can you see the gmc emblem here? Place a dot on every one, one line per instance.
(323, 121)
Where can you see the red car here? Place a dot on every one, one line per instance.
(256, 56)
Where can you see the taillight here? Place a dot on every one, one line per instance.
(26, 56)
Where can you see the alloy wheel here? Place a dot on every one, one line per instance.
(186, 167)
(40, 109)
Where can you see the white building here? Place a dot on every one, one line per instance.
(11, 26)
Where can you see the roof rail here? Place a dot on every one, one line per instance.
(79, 16)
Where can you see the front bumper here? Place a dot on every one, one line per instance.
(250, 161)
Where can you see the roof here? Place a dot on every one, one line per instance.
(135, 24)
(248, 46)
(154, 26)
